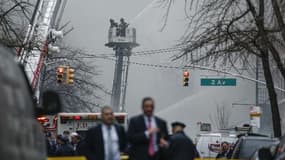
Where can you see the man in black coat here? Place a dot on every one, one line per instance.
(64, 147)
(106, 141)
(181, 147)
(147, 134)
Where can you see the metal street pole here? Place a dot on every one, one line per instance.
(256, 83)
(116, 91)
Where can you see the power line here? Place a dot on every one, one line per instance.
(145, 52)
(198, 67)
(163, 50)
(185, 67)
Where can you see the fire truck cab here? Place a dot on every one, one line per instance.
(76, 122)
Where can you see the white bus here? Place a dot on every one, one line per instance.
(80, 122)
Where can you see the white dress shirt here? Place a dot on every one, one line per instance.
(153, 125)
(114, 141)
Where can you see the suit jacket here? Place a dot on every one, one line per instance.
(181, 148)
(139, 142)
(95, 142)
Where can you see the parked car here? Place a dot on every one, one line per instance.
(246, 146)
(264, 153)
(280, 150)
(275, 152)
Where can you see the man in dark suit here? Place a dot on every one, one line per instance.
(181, 147)
(147, 134)
(106, 141)
(64, 147)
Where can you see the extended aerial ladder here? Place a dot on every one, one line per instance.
(122, 39)
(39, 33)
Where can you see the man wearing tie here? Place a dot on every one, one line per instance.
(106, 141)
(147, 134)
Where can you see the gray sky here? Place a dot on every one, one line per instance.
(90, 19)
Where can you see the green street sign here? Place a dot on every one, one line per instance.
(218, 82)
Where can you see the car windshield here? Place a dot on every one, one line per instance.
(249, 146)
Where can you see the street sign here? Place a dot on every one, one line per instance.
(218, 82)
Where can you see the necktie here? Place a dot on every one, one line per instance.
(151, 151)
(110, 148)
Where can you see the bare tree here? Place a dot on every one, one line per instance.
(15, 16)
(225, 31)
(221, 117)
(84, 95)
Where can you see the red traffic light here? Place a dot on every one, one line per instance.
(186, 74)
(60, 70)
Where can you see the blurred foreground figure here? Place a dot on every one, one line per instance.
(106, 141)
(21, 136)
(147, 134)
(181, 147)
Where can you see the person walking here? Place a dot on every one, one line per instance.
(106, 141)
(147, 134)
(181, 146)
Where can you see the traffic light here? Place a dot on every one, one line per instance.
(60, 73)
(186, 78)
(69, 75)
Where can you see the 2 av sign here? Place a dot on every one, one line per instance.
(218, 82)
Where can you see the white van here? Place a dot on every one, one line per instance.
(208, 144)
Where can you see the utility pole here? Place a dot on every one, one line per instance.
(256, 84)
(122, 40)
